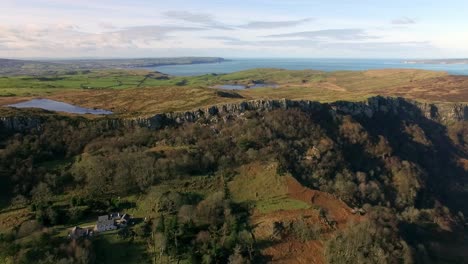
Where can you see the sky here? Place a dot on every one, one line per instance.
(232, 29)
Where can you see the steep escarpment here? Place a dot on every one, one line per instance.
(440, 112)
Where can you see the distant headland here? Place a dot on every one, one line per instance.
(438, 61)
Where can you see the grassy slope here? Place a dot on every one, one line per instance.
(261, 186)
(346, 85)
(112, 248)
(281, 198)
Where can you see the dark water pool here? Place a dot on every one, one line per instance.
(52, 105)
(231, 87)
(242, 87)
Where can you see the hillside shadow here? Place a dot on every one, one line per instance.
(355, 157)
(438, 159)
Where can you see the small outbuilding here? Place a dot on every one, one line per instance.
(78, 232)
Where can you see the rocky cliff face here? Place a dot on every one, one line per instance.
(443, 113)
(20, 123)
(439, 112)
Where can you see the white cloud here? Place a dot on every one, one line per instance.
(67, 37)
(275, 24)
(123, 28)
(403, 21)
(203, 19)
(336, 34)
(106, 25)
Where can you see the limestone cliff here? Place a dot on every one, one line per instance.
(20, 123)
(440, 112)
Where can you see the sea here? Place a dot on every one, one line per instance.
(234, 65)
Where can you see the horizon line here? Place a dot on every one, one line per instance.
(234, 58)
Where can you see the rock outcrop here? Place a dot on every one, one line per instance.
(20, 123)
(443, 113)
(439, 112)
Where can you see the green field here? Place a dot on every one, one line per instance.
(84, 80)
(125, 79)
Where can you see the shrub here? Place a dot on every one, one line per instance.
(305, 231)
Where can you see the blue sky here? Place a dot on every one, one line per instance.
(255, 28)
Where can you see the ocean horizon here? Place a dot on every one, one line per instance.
(328, 65)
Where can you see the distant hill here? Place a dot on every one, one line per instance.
(15, 66)
(10, 67)
(438, 61)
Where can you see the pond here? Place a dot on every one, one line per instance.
(52, 105)
(231, 87)
(262, 85)
(242, 87)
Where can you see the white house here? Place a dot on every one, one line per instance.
(111, 222)
(105, 223)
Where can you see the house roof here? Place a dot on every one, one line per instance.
(106, 219)
(103, 218)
